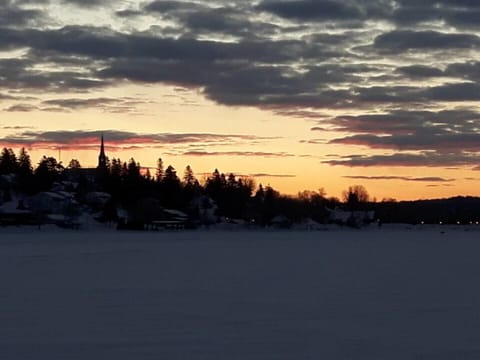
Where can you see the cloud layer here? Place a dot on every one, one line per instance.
(117, 140)
(401, 76)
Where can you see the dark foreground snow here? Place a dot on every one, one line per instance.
(375, 294)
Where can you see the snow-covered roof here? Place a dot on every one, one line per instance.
(51, 194)
(98, 195)
(176, 213)
(11, 207)
(65, 194)
(279, 219)
(7, 178)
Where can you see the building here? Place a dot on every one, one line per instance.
(90, 174)
(102, 167)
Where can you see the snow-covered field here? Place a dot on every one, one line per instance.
(365, 294)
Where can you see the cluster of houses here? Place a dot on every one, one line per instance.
(63, 206)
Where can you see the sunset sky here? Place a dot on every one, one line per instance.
(300, 94)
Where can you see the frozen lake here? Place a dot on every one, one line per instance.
(368, 294)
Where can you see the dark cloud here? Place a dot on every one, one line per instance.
(414, 122)
(21, 108)
(459, 14)
(21, 74)
(441, 143)
(80, 139)
(448, 137)
(401, 13)
(402, 40)
(323, 10)
(420, 71)
(454, 92)
(236, 83)
(402, 178)
(265, 175)
(424, 159)
(12, 14)
(128, 13)
(402, 95)
(7, 97)
(107, 104)
(88, 3)
(195, 18)
(237, 153)
(386, 62)
(104, 44)
(247, 72)
(468, 70)
(166, 6)
(16, 127)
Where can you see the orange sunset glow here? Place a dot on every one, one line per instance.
(297, 94)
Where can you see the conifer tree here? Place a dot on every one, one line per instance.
(74, 164)
(160, 171)
(24, 163)
(188, 177)
(116, 168)
(8, 162)
(47, 172)
(171, 188)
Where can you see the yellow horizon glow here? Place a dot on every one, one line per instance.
(168, 109)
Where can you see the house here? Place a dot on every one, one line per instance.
(171, 219)
(281, 222)
(15, 213)
(353, 218)
(58, 208)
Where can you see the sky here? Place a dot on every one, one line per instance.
(299, 94)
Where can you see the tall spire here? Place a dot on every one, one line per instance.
(102, 158)
(102, 147)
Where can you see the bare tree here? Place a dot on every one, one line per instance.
(355, 196)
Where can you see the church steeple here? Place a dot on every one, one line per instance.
(102, 158)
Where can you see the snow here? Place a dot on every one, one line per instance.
(379, 293)
(176, 213)
(11, 207)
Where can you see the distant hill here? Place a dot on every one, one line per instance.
(448, 211)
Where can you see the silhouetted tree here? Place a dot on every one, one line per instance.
(47, 172)
(188, 177)
(237, 195)
(355, 197)
(160, 171)
(215, 184)
(133, 170)
(116, 168)
(171, 188)
(124, 172)
(24, 163)
(270, 204)
(74, 164)
(8, 162)
(147, 175)
(113, 181)
(190, 186)
(25, 173)
(313, 204)
(231, 195)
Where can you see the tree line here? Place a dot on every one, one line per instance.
(234, 197)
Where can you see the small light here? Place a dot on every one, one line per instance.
(422, 222)
(458, 222)
(440, 223)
